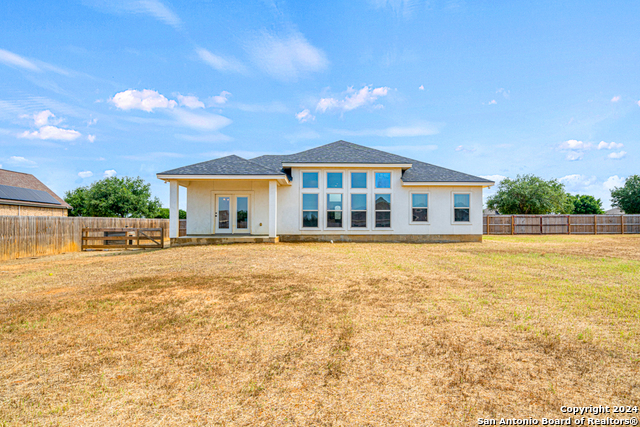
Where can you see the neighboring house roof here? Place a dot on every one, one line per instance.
(337, 152)
(614, 211)
(230, 165)
(17, 188)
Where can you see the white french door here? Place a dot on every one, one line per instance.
(232, 214)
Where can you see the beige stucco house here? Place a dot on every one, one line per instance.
(339, 191)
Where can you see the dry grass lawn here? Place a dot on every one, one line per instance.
(321, 334)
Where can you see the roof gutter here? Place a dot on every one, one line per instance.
(483, 184)
(283, 179)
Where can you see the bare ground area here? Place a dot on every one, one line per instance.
(321, 334)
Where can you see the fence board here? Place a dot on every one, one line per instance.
(561, 224)
(29, 236)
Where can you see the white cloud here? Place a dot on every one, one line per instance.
(286, 58)
(91, 138)
(492, 102)
(353, 99)
(11, 59)
(638, 103)
(494, 178)
(145, 100)
(305, 116)
(465, 150)
(573, 144)
(616, 98)
(613, 182)
(576, 181)
(153, 8)
(42, 118)
(609, 145)
(219, 63)
(618, 155)
(51, 132)
(109, 173)
(575, 155)
(21, 161)
(204, 121)
(273, 107)
(394, 131)
(85, 174)
(421, 87)
(214, 137)
(220, 99)
(505, 93)
(190, 101)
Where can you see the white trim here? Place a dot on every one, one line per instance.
(453, 208)
(411, 221)
(447, 184)
(347, 165)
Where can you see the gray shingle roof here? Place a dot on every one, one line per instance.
(336, 152)
(230, 165)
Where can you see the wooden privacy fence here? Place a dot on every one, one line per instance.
(122, 238)
(561, 224)
(29, 236)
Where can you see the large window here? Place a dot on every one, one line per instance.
(461, 207)
(242, 212)
(383, 210)
(419, 207)
(358, 180)
(359, 210)
(334, 179)
(383, 179)
(334, 210)
(309, 179)
(310, 210)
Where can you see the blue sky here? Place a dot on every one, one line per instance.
(93, 88)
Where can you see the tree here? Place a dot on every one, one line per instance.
(114, 197)
(588, 205)
(164, 213)
(627, 197)
(529, 194)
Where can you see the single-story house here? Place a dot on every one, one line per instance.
(23, 194)
(339, 191)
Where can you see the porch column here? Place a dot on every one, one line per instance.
(273, 208)
(174, 209)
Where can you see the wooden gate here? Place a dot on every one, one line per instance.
(122, 238)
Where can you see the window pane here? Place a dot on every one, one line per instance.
(420, 200)
(334, 180)
(420, 215)
(383, 202)
(358, 219)
(310, 218)
(358, 202)
(334, 202)
(310, 202)
(224, 212)
(358, 180)
(242, 212)
(460, 200)
(383, 219)
(383, 180)
(334, 219)
(310, 180)
(461, 215)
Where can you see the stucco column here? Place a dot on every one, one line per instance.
(273, 208)
(174, 209)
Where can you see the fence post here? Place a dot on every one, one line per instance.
(541, 225)
(621, 224)
(595, 224)
(568, 224)
(513, 224)
(488, 224)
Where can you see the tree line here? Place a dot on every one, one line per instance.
(527, 194)
(532, 195)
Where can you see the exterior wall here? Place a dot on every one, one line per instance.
(201, 203)
(440, 207)
(16, 210)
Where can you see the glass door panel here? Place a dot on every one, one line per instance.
(242, 213)
(223, 224)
